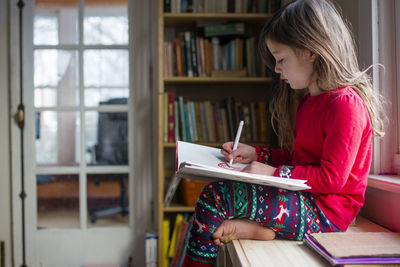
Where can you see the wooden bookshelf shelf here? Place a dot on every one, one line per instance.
(227, 80)
(179, 209)
(177, 19)
(173, 145)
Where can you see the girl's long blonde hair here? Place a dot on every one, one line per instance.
(317, 26)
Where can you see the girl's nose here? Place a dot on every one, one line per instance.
(278, 69)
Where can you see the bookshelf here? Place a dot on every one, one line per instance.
(203, 87)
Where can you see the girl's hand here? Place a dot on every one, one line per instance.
(260, 168)
(243, 153)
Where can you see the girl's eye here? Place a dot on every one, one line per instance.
(280, 60)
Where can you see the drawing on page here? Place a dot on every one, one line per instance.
(225, 165)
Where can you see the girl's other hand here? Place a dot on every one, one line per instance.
(260, 168)
(243, 153)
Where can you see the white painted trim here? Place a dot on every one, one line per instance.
(385, 183)
(5, 180)
(102, 108)
(86, 47)
(88, 169)
(397, 26)
(14, 134)
(383, 48)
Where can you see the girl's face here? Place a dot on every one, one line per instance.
(296, 69)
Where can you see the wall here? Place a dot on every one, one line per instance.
(351, 13)
(382, 207)
(5, 186)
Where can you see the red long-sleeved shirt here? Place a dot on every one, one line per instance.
(332, 150)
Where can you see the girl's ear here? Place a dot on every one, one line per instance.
(313, 56)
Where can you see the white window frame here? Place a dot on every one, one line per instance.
(379, 42)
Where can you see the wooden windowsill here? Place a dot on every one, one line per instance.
(279, 252)
(385, 183)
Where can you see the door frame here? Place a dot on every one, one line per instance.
(142, 144)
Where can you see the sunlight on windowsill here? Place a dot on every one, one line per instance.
(390, 183)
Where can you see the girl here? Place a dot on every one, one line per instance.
(308, 44)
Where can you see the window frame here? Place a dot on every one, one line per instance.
(379, 40)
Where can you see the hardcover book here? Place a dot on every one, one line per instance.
(363, 248)
(208, 164)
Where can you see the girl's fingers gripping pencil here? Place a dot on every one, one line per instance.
(235, 144)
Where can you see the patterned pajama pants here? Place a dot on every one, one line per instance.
(290, 214)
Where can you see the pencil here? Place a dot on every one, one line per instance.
(237, 138)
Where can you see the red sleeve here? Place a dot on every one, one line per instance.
(273, 156)
(345, 126)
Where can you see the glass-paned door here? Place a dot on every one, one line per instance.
(79, 134)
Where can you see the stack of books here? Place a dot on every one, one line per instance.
(361, 248)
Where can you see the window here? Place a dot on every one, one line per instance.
(81, 92)
(380, 43)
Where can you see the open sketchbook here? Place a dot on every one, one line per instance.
(208, 164)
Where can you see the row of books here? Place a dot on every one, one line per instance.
(207, 121)
(191, 55)
(221, 6)
(175, 241)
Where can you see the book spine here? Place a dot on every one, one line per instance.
(172, 246)
(179, 56)
(246, 118)
(231, 6)
(176, 120)
(203, 57)
(193, 49)
(165, 241)
(223, 57)
(224, 123)
(194, 123)
(183, 54)
(230, 56)
(210, 121)
(171, 117)
(209, 57)
(174, 61)
(174, 6)
(262, 110)
(182, 117)
(198, 54)
(224, 29)
(167, 6)
(184, 6)
(240, 53)
(170, 59)
(215, 123)
(185, 244)
(215, 53)
(222, 136)
(189, 64)
(238, 6)
(165, 50)
(231, 117)
(198, 124)
(165, 125)
(189, 130)
(203, 122)
(189, 6)
(253, 117)
(179, 246)
(238, 113)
